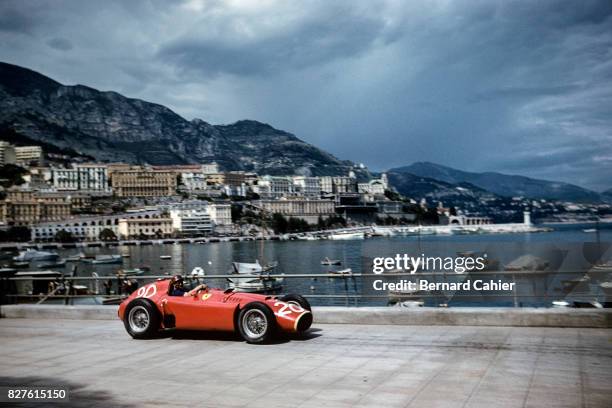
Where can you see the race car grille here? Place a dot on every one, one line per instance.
(304, 322)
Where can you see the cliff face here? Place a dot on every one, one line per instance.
(111, 127)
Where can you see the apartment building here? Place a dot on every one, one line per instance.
(143, 183)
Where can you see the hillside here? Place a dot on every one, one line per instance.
(111, 127)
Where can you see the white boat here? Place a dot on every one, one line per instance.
(327, 261)
(589, 230)
(252, 268)
(347, 235)
(258, 283)
(308, 238)
(106, 259)
(342, 272)
(35, 255)
(165, 257)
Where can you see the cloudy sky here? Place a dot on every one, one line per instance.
(522, 87)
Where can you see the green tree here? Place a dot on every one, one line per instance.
(16, 234)
(107, 234)
(11, 175)
(64, 236)
(279, 224)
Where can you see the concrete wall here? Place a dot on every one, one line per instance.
(526, 317)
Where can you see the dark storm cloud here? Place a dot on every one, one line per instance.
(337, 33)
(515, 86)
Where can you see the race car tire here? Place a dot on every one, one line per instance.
(256, 323)
(296, 299)
(142, 320)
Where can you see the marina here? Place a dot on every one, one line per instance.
(339, 272)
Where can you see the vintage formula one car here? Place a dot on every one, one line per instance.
(256, 317)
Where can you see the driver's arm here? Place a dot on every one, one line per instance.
(195, 290)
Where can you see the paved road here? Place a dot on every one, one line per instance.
(335, 366)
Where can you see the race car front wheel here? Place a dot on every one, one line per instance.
(256, 323)
(141, 319)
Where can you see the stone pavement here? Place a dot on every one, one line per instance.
(334, 366)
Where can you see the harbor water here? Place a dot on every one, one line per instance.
(304, 257)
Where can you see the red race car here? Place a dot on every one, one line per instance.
(256, 317)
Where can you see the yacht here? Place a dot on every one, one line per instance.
(35, 255)
(259, 281)
(347, 235)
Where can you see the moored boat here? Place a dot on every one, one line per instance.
(105, 259)
(340, 236)
(327, 261)
(35, 255)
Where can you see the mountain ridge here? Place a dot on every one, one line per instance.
(503, 184)
(112, 127)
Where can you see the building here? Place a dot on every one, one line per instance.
(65, 179)
(25, 207)
(307, 186)
(129, 228)
(7, 153)
(25, 155)
(220, 214)
(86, 228)
(308, 210)
(92, 177)
(375, 187)
(274, 187)
(338, 184)
(144, 183)
(194, 182)
(38, 178)
(210, 168)
(192, 223)
(465, 220)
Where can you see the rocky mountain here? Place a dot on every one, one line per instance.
(462, 195)
(607, 195)
(502, 184)
(111, 127)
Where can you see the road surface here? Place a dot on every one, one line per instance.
(334, 366)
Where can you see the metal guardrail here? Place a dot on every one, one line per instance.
(313, 275)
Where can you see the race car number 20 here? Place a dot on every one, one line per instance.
(287, 308)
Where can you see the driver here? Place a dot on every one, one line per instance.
(177, 287)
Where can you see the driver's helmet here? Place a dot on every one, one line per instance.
(177, 281)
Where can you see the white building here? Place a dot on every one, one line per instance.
(220, 214)
(194, 181)
(86, 228)
(27, 154)
(139, 227)
(7, 153)
(372, 187)
(210, 168)
(93, 177)
(65, 179)
(89, 177)
(274, 187)
(191, 222)
(338, 184)
(307, 186)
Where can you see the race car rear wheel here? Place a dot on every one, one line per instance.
(256, 323)
(296, 300)
(141, 319)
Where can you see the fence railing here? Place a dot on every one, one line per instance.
(115, 291)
